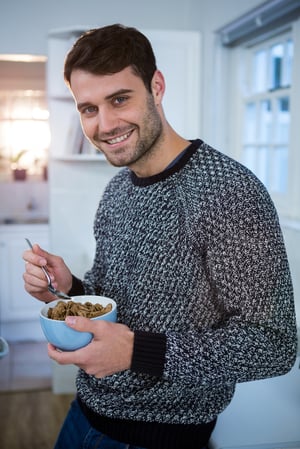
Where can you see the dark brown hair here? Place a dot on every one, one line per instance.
(109, 50)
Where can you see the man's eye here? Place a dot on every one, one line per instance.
(89, 110)
(120, 100)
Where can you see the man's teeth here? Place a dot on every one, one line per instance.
(118, 139)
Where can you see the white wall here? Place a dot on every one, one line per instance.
(24, 25)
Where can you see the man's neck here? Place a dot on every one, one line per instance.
(164, 152)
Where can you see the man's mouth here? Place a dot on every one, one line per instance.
(119, 138)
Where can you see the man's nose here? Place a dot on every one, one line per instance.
(107, 120)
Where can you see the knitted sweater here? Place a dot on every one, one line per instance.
(195, 259)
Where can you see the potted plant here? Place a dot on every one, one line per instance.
(19, 172)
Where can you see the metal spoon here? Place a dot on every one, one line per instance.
(51, 289)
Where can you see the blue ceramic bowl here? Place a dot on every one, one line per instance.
(63, 336)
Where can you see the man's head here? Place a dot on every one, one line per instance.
(109, 50)
(118, 92)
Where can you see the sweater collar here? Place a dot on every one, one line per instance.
(172, 168)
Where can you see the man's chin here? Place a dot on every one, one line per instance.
(118, 158)
(116, 162)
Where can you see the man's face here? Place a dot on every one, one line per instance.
(118, 114)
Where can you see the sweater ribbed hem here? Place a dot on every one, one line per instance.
(149, 351)
(151, 435)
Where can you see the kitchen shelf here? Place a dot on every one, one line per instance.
(80, 158)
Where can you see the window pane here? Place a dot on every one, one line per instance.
(263, 165)
(280, 170)
(287, 74)
(249, 158)
(265, 125)
(260, 71)
(277, 53)
(29, 134)
(250, 123)
(282, 121)
(24, 124)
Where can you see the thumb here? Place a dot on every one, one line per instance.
(80, 323)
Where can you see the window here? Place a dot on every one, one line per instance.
(266, 112)
(262, 113)
(24, 127)
(258, 96)
(24, 123)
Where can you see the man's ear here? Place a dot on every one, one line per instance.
(158, 86)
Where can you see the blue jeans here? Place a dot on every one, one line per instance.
(77, 433)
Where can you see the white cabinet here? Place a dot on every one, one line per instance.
(19, 312)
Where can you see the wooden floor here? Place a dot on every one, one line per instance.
(31, 419)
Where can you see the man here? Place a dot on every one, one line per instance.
(189, 246)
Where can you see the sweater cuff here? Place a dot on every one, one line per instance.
(149, 350)
(77, 287)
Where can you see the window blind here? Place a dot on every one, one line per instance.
(260, 22)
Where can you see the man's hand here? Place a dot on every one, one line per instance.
(109, 352)
(35, 281)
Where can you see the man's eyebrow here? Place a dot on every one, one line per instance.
(118, 93)
(107, 98)
(84, 105)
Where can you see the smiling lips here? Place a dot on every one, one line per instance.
(119, 138)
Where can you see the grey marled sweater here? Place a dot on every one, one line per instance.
(195, 259)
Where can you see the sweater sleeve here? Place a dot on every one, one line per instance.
(248, 270)
(77, 287)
